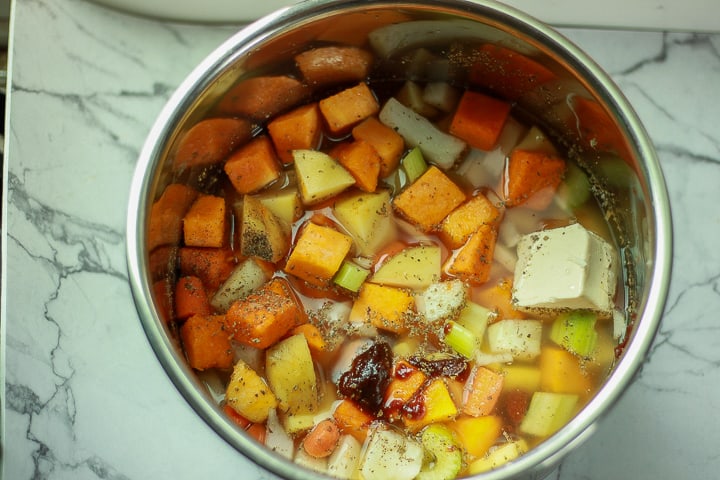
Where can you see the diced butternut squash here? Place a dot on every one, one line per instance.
(522, 377)
(428, 200)
(362, 161)
(368, 218)
(260, 98)
(212, 265)
(347, 108)
(248, 394)
(319, 176)
(299, 129)
(479, 119)
(414, 267)
(532, 178)
(406, 381)
(253, 166)
(334, 64)
(313, 336)
(465, 220)
(291, 374)
(386, 142)
(352, 420)
(166, 214)
(262, 234)
(206, 223)
(473, 260)
(435, 405)
(318, 253)
(561, 372)
(386, 308)
(482, 391)
(478, 434)
(498, 298)
(263, 317)
(210, 141)
(190, 298)
(206, 343)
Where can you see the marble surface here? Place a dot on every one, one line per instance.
(84, 396)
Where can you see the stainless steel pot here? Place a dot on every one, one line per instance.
(581, 105)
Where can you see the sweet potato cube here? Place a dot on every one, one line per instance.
(406, 381)
(482, 391)
(210, 141)
(386, 142)
(561, 372)
(206, 223)
(352, 420)
(347, 108)
(479, 119)
(212, 265)
(473, 261)
(263, 317)
(334, 64)
(206, 342)
(384, 307)
(362, 161)
(465, 220)
(532, 178)
(437, 403)
(166, 214)
(428, 200)
(260, 98)
(253, 166)
(190, 298)
(318, 254)
(299, 129)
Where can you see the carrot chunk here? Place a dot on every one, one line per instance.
(386, 142)
(482, 391)
(479, 119)
(260, 98)
(362, 161)
(212, 265)
(428, 200)
(322, 440)
(166, 214)
(318, 254)
(473, 260)
(334, 64)
(532, 178)
(347, 108)
(467, 219)
(508, 72)
(299, 129)
(191, 298)
(263, 317)
(253, 166)
(206, 223)
(211, 141)
(206, 343)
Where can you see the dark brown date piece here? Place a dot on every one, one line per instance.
(368, 378)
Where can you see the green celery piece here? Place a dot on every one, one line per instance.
(547, 413)
(351, 276)
(460, 339)
(446, 454)
(575, 188)
(414, 164)
(575, 332)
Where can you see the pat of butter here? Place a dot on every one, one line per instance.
(565, 268)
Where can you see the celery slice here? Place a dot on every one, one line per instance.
(574, 191)
(437, 440)
(351, 276)
(460, 339)
(414, 164)
(547, 413)
(575, 332)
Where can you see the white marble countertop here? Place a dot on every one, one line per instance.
(84, 396)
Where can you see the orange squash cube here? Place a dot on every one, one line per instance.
(386, 142)
(319, 251)
(406, 381)
(206, 343)
(253, 166)
(352, 420)
(206, 223)
(166, 214)
(362, 161)
(384, 307)
(299, 129)
(465, 220)
(436, 405)
(347, 108)
(473, 261)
